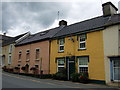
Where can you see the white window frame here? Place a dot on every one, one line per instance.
(61, 45)
(9, 61)
(80, 42)
(113, 71)
(3, 61)
(63, 66)
(27, 53)
(35, 53)
(10, 48)
(20, 52)
(81, 65)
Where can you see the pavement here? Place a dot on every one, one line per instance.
(19, 81)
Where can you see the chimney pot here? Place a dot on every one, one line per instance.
(4, 33)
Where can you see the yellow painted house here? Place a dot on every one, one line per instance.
(80, 47)
(91, 52)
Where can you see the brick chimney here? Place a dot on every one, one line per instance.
(109, 9)
(62, 23)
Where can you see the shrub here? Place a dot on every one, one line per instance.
(75, 77)
(84, 78)
(45, 76)
(61, 75)
(4, 68)
(17, 68)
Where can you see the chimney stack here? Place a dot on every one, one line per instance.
(62, 23)
(109, 9)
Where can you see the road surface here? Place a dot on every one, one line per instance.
(18, 81)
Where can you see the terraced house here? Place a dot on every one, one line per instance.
(91, 46)
(8, 49)
(33, 53)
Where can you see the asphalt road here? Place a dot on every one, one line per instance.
(18, 81)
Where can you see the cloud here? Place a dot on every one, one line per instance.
(20, 17)
(35, 15)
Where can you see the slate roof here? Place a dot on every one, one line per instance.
(44, 35)
(6, 40)
(97, 23)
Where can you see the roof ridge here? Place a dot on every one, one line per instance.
(85, 20)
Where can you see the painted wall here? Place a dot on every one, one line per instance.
(94, 48)
(5, 51)
(119, 40)
(44, 54)
(110, 37)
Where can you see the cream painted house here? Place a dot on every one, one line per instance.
(8, 48)
(111, 37)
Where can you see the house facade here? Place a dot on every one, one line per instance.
(8, 49)
(111, 38)
(33, 53)
(77, 52)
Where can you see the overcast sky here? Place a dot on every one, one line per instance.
(21, 17)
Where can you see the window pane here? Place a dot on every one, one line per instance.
(19, 56)
(117, 73)
(82, 45)
(37, 53)
(83, 61)
(61, 48)
(9, 60)
(60, 62)
(82, 37)
(83, 69)
(61, 41)
(116, 63)
(60, 69)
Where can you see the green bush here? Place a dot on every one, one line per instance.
(80, 77)
(75, 77)
(61, 75)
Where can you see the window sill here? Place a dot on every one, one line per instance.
(36, 59)
(60, 51)
(81, 49)
(19, 60)
(27, 60)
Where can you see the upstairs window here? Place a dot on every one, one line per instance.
(27, 55)
(10, 48)
(37, 54)
(82, 42)
(61, 45)
(20, 55)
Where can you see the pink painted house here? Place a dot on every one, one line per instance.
(32, 54)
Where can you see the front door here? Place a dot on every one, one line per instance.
(70, 66)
